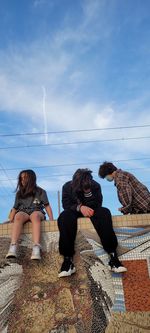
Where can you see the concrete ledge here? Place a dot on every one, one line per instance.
(139, 220)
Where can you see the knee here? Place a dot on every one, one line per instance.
(35, 217)
(18, 218)
(104, 210)
(65, 215)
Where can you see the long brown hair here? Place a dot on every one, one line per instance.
(30, 187)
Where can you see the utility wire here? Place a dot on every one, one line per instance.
(5, 192)
(4, 170)
(74, 131)
(70, 175)
(80, 163)
(75, 142)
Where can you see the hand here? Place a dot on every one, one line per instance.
(9, 221)
(120, 209)
(86, 211)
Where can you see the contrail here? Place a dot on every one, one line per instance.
(44, 115)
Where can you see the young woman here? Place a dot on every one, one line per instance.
(30, 202)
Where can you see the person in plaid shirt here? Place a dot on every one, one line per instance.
(132, 194)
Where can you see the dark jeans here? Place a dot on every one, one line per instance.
(102, 222)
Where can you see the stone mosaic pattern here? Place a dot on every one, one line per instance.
(34, 300)
(134, 252)
(38, 301)
(129, 322)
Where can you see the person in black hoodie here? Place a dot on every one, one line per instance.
(82, 197)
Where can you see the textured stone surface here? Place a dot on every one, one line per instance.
(41, 302)
(129, 322)
(34, 300)
(136, 286)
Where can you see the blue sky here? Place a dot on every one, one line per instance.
(70, 65)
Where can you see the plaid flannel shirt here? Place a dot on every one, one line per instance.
(133, 195)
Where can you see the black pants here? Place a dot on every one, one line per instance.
(102, 222)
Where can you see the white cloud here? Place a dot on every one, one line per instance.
(38, 3)
(104, 118)
(56, 64)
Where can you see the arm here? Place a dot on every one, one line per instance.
(14, 209)
(44, 199)
(12, 214)
(125, 197)
(68, 200)
(70, 203)
(98, 195)
(94, 201)
(49, 211)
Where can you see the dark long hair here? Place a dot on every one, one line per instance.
(30, 187)
(81, 180)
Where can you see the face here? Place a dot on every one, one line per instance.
(109, 178)
(24, 179)
(86, 185)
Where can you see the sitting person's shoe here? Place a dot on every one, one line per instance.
(12, 252)
(36, 252)
(67, 267)
(115, 265)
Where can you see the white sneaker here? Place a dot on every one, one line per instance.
(115, 265)
(67, 268)
(12, 253)
(36, 252)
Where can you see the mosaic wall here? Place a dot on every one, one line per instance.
(34, 300)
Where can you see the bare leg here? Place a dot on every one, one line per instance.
(36, 218)
(19, 220)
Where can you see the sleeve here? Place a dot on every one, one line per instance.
(125, 197)
(95, 200)
(67, 198)
(99, 196)
(44, 198)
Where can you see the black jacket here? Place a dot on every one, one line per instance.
(71, 200)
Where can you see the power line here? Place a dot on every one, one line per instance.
(4, 170)
(70, 175)
(5, 191)
(74, 131)
(75, 142)
(80, 163)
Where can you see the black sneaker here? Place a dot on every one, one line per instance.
(115, 265)
(67, 268)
